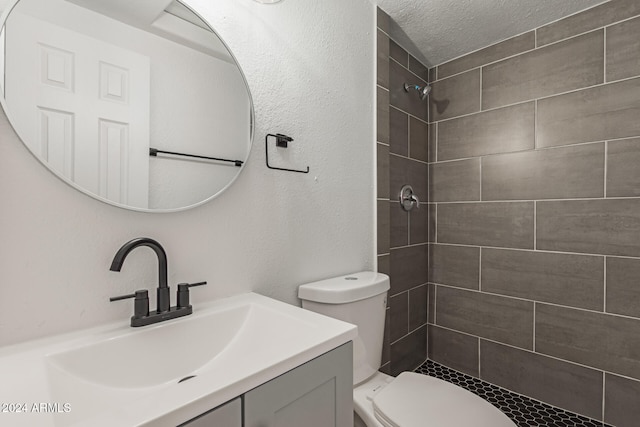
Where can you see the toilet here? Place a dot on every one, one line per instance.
(380, 400)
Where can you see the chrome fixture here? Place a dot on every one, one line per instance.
(422, 91)
(164, 311)
(408, 200)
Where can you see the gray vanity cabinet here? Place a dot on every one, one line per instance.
(227, 415)
(316, 394)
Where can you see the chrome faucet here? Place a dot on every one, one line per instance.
(164, 311)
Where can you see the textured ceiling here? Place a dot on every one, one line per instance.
(436, 31)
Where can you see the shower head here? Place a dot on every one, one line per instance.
(422, 91)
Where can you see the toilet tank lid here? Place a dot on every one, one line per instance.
(345, 289)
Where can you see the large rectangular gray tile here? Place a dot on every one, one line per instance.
(558, 173)
(498, 51)
(561, 67)
(399, 225)
(556, 382)
(417, 307)
(454, 265)
(382, 20)
(409, 102)
(506, 225)
(432, 304)
(454, 181)
(419, 225)
(455, 96)
(602, 341)
(406, 171)
(386, 338)
(453, 349)
(621, 401)
(623, 50)
(432, 225)
(494, 317)
(623, 173)
(623, 286)
(432, 144)
(608, 227)
(605, 112)
(408, 268)
(384, 266)
(398, 53)
(418, 68)
(382, 170)
(383, 228)
(433, 74)
(382, 109)
(382, 60)
(499, 131)
(399, 316)
(409, 352)
(418, 139)
(398, 132)
(596, 17)
(565, 279)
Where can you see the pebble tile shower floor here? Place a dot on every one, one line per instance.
(524, 411)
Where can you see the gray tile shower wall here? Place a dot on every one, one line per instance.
(403, 237)
(534, 225)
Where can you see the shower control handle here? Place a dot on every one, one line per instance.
(408, 200)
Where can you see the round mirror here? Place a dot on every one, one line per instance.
(139, 104)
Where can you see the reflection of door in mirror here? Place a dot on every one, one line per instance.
(83, 105)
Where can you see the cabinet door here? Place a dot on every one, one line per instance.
(227, 415)
(316, 394)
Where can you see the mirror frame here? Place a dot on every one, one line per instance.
(3, 19)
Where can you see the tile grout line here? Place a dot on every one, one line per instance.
(604, 67)
(535, 125)
(537, 45)
(481, 70)
(604, 297)
(535, 225)
(534, 327)
(541, 98)
(604, 393)
(545, 355)
(528, 150)
(436, 147)
(480, 269)
(479, 363)
(606, 160)
(409, 136)
(553, 304)
(409, 114)
(538, 250)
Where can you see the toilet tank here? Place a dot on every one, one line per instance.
(360, 299)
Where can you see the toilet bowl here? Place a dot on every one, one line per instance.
(380, 400)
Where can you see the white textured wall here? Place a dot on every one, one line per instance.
(309, 64)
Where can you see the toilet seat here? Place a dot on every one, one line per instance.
(416, 400)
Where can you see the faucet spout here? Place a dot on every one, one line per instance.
(163, 287)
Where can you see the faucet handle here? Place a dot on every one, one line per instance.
(141, 304)
(183, 293)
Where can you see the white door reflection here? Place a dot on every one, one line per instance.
(91, 98)
(91, 85)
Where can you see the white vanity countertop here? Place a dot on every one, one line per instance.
(267, 339)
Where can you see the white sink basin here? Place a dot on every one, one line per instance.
(122, 376)
(157, 355)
